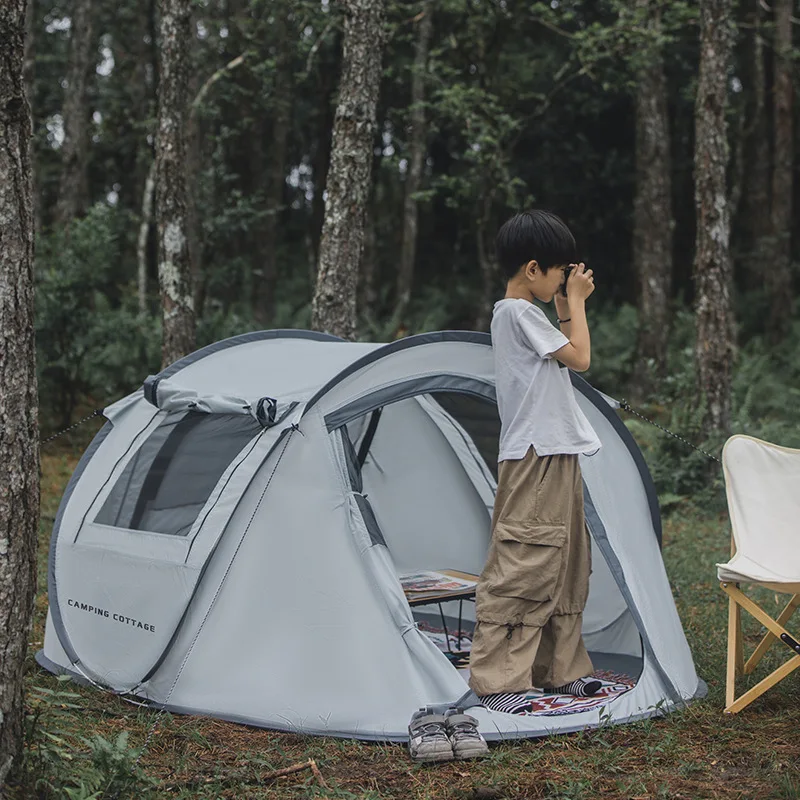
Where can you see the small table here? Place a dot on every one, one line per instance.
(428, 598)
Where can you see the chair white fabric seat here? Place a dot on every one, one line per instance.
(741, 569)
(762, 481)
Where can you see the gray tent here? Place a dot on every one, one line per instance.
(231, 541)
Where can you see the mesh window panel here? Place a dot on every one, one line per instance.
(171, 477)
(479, 418)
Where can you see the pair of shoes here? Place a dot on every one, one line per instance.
(442, 737)
(582, 687)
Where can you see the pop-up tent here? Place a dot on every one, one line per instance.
(231, 541)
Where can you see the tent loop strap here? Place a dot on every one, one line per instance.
(624, 404)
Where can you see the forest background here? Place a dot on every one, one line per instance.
(485, 107)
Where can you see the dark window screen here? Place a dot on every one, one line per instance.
(479, 418)
(171, 477)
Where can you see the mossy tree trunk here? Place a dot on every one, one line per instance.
(416, 160)
(19, 435)
(713, 275)
(652, 212)
(174, 265)
(73, 191)
(350, 173)
(778, 270)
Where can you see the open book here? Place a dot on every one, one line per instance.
(434, 583)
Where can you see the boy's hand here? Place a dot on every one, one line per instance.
(580, 283)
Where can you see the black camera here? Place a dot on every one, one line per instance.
(563, 287)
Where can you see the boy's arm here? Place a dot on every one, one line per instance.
(576, 355)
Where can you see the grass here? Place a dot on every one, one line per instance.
(695, 753)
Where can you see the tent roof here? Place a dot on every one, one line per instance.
(286, 364)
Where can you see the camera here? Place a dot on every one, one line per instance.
(567, 272)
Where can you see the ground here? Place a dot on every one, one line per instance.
(695, 753)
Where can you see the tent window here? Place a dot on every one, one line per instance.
(173, 474)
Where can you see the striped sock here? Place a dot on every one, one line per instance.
(507, 702)
(582, 687)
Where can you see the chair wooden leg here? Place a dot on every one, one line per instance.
(735, 650)
(751, 607)
(739, 600)
(759, 689)
(770, 637)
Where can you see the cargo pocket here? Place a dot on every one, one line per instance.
(526, 560)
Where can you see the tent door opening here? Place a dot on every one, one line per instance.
(424, 469)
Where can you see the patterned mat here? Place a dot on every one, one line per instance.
(553, 705)
(540, 704)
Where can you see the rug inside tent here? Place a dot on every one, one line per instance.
(614, 676)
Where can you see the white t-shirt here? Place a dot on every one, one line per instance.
(534, 393)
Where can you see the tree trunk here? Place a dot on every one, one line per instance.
(19, 435)
(416, 162)
(757, 170)
(31, 22)
(174, 266)
(144, 230)
(713, 310)
(368, 294)
(194, 161)
(276, 168)
(320, 157)
(348, 184)
(778, 271)
(73, 190)
(490, 271)
(320, 164)
(652, 213)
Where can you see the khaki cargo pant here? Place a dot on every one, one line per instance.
(533, 589)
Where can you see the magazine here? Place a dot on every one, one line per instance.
(434, 582)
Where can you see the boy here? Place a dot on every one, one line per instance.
(533, 589)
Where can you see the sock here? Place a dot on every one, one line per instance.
(582, 687)
(507, 702)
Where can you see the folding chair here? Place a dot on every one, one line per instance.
(762, 482)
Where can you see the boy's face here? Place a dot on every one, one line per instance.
(544, 285)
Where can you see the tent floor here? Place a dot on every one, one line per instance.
(626, 666)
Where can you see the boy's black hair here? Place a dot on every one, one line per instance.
(534, 236)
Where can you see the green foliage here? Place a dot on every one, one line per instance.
(765, 399)
(58, 764)
(91, 341)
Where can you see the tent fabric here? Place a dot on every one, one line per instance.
(761, 481)
(279, 602)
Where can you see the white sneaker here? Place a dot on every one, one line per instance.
(464, 735)
(427, 737)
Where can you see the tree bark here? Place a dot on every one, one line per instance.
(320, 164)
(73, 191)
(276, 167)
(757, 169)
(778, 272)
(416, 162)
(174, 266)
(194, 162)
(19, 435)
(652, 212)
(31, 21)
(349, 176)
(144, 231)
(487, 261)
(713, 310)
